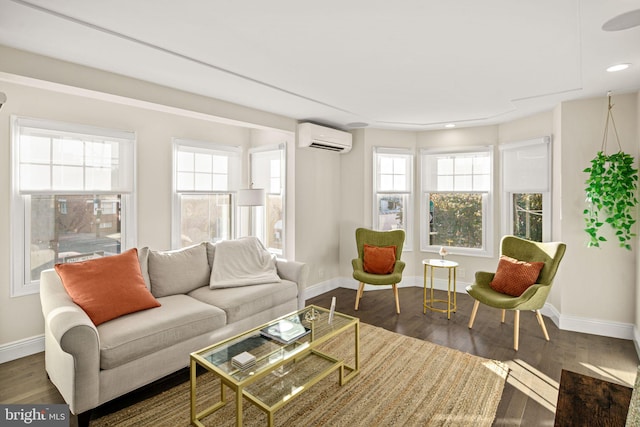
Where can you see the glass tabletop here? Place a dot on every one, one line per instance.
(263, 348)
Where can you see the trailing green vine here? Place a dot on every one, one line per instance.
(611, 194)
(611, 191)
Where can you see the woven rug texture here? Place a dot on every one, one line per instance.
(403, 381)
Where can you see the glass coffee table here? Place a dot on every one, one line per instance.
(273, 363)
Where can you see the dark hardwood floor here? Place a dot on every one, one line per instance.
(529, 397)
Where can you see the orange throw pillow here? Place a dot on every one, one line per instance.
(513, 277)
(107, 287)
(379, 259)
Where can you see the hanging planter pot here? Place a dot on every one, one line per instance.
(611, 193)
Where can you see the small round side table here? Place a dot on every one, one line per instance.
(451, 306)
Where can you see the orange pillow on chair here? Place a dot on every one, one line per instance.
(513, 277)
(109, 287)
(379, 259)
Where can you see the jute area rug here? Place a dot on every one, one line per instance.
(403, 381)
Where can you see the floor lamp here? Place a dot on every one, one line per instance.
(251, 198)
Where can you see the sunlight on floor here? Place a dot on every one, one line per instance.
(618, 376)
(533, 383)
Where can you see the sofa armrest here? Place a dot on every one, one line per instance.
(295, 272)
(72, 345)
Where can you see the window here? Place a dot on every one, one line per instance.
(72, 191)
(526, 183)
(205, 179)
(393, 198)
(455, 205)
(268, 171)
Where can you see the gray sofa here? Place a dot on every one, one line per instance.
(91, 365)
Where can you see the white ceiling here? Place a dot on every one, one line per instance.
(411, 64)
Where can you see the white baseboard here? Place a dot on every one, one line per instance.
(636, 340)
(564, 322)
(349, 283)
(17, 349)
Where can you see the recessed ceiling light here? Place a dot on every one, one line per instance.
(450, 125)
(623, 22)
(618, 67)
(357, 125)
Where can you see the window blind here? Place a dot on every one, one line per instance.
(54, 157)
(526, 166)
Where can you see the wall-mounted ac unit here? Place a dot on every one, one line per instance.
(316, 136)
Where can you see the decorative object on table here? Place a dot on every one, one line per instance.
(244, 360)
(332, 310)
(377, 250)
(611, 191)
(311, 315)
(443, 252)
(286, 331)
(521, 257)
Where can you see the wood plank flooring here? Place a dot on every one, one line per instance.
(531, 392)
(529, 397)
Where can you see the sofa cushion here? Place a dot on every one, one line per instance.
(107, 287)
(133, 336)
(242, 302)
(179, 271)
(143, 259)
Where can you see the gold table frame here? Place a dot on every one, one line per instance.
(451, 307)
(292, 355)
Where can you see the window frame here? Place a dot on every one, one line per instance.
(20, 200)
(234, 154)
(408, 211)
(487, 202)
(526, 188)
(281, 149)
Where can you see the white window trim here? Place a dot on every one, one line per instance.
(487, 205)
(283, 170)
(20, 204)
(507, 196)
(409, 216)
(175, 195)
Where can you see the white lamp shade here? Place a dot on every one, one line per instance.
(251, 197)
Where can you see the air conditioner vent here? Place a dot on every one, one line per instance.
(324, 138)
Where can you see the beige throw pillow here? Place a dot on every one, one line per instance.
(179, 271)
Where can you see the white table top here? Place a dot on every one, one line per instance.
(439, 263)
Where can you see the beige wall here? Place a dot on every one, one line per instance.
(154, 125)
(318, 210)
(330, 194)
(593, 286)
(595, 283)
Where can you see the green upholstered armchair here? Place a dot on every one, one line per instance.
(534, 297)
(379, 239)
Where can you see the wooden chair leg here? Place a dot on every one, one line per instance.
(516, 329)
(504, 312)
(473, 313)
(395, 292)
(541, 322)
(359, 294)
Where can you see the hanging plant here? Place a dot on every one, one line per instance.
(611, 193)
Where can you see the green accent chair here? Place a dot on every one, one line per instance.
(534, 297)
(378, 238)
